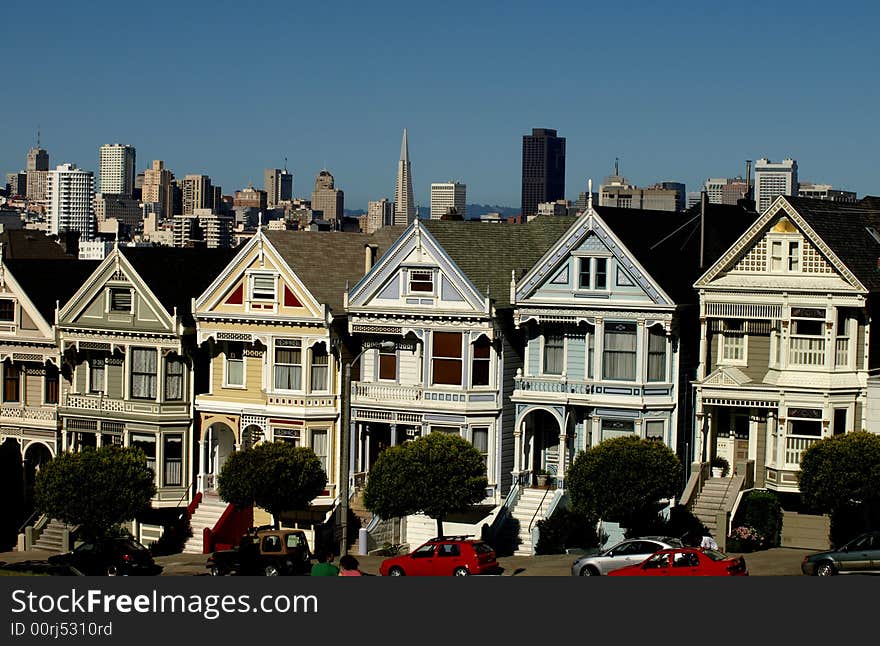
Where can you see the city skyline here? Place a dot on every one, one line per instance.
(659, 130)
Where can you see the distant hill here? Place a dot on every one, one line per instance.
(474, 211)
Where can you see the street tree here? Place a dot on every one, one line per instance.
(436, 475)
(840, 476)
(276, 476)
(623, 479)
(96, 489)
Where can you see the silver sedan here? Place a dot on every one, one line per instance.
(628, 552)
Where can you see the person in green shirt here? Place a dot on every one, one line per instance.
(325, 566)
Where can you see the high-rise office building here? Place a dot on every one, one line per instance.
(774, 179)
(117, 170)
(680, 193)
(278, 185)
(617, 191)
(197, 193)
(724, 190)
(70, 194)
(327, 198)
(16, 184)
(250, 197)
(37, 168)
(404, 204)
(37, 159)
(825, 192)
(448, 195)
(380, 213)
(157, 188)
(543, 169)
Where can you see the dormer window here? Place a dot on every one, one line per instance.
(7, 310)
(785, 255)
(263, 287)
(421, 281)
(593, 273)
(120, 300)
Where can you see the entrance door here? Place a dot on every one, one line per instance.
(740, 429)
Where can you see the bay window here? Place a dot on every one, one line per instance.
(143, 373)
(288, 364)
(619, 354)
(446, 359)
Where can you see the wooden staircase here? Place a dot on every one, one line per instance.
(530, 508)
(206, 515)
(717, 495)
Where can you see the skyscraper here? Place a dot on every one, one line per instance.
(446, 195)
(773, 180)
(197, 193)
(327, 198)
(543, 169)
(70, 193)
(404, 204)
(278, 185)
(380, 213)
(37, 168)
(117, 169)
(157, 187)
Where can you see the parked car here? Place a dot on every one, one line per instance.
(264, 551)
(444, 556)
(117, 556)
(861, 554)
(628, 552)
(686, 561)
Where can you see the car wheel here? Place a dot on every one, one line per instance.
(112, 571)
(589, 570)
(461, 571)
(271, 570)
(215, 571)
(396, 571)
(825, 569)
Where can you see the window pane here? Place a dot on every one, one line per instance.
(554, 345)
(96, 375)
(147, 444)
(584, 273)
(120, 300)
(654, 430)
(480, 363)
(319, 446)
(447, 372)
(143, 373)
(320, 364)
(52, 384)
(619, 357)
(446, 361)
(656, 354)
(172, 451)
(288, 368)
(601, 273)
(388, 365)
(173, 379)
(447, 344)
(7, 310)
(11, 381)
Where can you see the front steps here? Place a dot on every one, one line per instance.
(52, 537)
(206, 515)
(717, 495)
(531, 507)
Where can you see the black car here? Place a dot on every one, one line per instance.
(861, 554)
(120, 556)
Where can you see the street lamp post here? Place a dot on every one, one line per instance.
(345, 474)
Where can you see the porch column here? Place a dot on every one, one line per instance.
(518, 448)
(393, 434)
(699, 442)
(367, 449)
(710, 433)
(772, 432)
(560, 469)
(701, 369)
(352, 453)
(203, 460)
(99, 439)
(64, 440)
(780, 441)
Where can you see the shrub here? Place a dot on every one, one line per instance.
(746, 539)
(565, 529)
(758, 522)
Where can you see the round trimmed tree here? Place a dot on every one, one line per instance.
(437, 475)
(276, 476)
(840, 476)
(623, 479)
(97, 489)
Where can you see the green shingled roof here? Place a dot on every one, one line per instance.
(327, 262)
(488, 253)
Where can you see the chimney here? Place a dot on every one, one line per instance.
(704, 201)
(370, 251)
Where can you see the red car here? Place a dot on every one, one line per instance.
(443, 556)
(686, 561)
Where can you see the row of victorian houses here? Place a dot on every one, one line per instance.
(717, 331)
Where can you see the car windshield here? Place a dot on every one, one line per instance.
(715, 555)
(482, 548)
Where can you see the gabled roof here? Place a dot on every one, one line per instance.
(177, 275)
(327, 262)
(488, 253)
(667, 244)
(844, 227)
(50, 280)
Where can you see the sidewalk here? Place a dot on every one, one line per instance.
(779, 561)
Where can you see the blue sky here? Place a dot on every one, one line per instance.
(678, 91)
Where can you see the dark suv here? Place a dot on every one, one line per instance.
(444, 556)
(118, 556)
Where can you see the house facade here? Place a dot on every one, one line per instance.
(440, 298)
(785, 318)
(273, 328)
(127, 340)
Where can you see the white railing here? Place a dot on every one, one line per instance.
(795, 445)
(29, 412)
(386, 392)
(841, 351)
(807, 351)
(552, 385)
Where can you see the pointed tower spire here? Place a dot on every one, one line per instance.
(404, 205)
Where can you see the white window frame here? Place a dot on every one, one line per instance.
(288, 344)
(661, 422)
(666, 353)
(742, 344)
(14, 319)
(410, 280)
(252, 287)
(325, 457)
(226, 362)
(544, 355)
(312, 365)
(109, 306)
(593, 262)
(379, 378)
(784, 259)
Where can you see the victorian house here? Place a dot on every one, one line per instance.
(31, 369)
(273, 326)
(127, 341)
(440, 352)
(785, 318)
